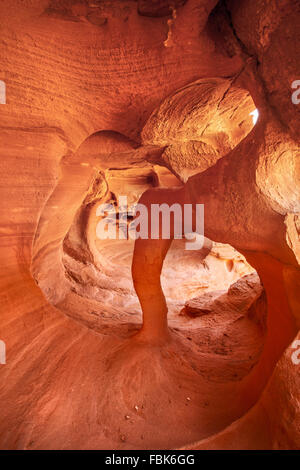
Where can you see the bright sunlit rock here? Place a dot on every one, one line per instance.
(255, 115)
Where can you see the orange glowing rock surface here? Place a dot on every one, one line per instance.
(116, 344)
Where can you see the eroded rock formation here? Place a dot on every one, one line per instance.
(151, 100)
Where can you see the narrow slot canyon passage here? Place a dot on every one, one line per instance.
(122, 344)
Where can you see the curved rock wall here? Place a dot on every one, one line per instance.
(107, 97)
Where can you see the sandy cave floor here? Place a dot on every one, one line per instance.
(127, 394)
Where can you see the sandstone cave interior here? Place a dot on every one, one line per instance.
(123, 344)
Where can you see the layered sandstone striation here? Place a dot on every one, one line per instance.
(112, 344)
